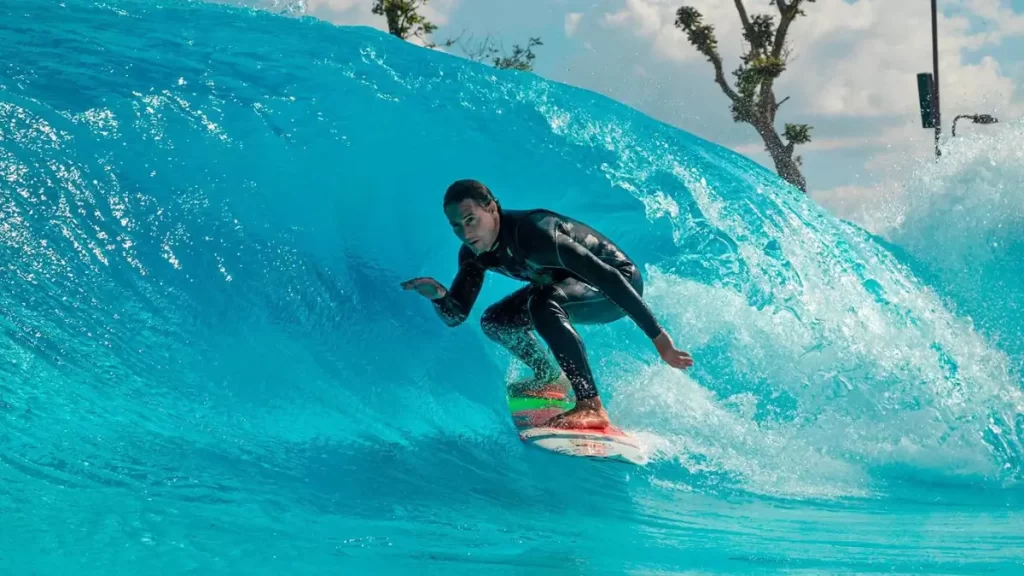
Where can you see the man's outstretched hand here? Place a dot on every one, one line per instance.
(427, 287)
(669, 353)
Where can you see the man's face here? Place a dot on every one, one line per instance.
(474, 225)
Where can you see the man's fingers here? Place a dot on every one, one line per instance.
(683, 360)
(678, 359)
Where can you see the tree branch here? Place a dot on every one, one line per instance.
(716, 61)
(744, 17)
(403, 24)
(780, 35)
(789, 11)
(702, 36)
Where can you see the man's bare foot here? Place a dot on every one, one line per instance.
(557, 389)
(586, 414)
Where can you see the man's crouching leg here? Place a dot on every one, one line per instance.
(507, 322)
(551, 321)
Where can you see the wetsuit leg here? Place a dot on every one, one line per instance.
(554, 309)
(508, 323)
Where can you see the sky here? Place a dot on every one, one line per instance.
(852, 72)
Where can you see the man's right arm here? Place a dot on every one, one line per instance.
(455, 305)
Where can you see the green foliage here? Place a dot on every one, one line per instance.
(404, 20)
(797, 134)
(751, 79)
(701, 35)
(760, 33)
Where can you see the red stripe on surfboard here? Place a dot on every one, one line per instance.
(610, 433)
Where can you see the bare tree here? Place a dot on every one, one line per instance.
(753, 100)
(521, 58)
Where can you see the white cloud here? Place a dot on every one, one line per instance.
(572, 21)
(348, 12)
(437, 11)
(653, 19)
(1010, 22)
(645, 15)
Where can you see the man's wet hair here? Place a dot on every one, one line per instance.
(469, 190)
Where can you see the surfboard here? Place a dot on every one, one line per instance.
(611, 443)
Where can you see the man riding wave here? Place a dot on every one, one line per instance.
(575, 275)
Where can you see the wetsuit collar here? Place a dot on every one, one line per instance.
(503, 232)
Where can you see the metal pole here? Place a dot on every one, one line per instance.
(936, 113)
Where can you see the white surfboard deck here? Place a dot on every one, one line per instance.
(610, 444)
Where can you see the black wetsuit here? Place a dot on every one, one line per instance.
(576, 274)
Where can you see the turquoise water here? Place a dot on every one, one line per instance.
(207, 365)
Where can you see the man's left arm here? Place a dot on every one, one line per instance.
(576, 258)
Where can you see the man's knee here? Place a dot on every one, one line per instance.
(494, 324)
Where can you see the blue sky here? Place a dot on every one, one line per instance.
(851, 76)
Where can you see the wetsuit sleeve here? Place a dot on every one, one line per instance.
(576, 258)
(455, 305)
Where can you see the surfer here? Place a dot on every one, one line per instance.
(576, 275)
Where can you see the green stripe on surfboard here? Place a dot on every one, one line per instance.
(518, 404)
